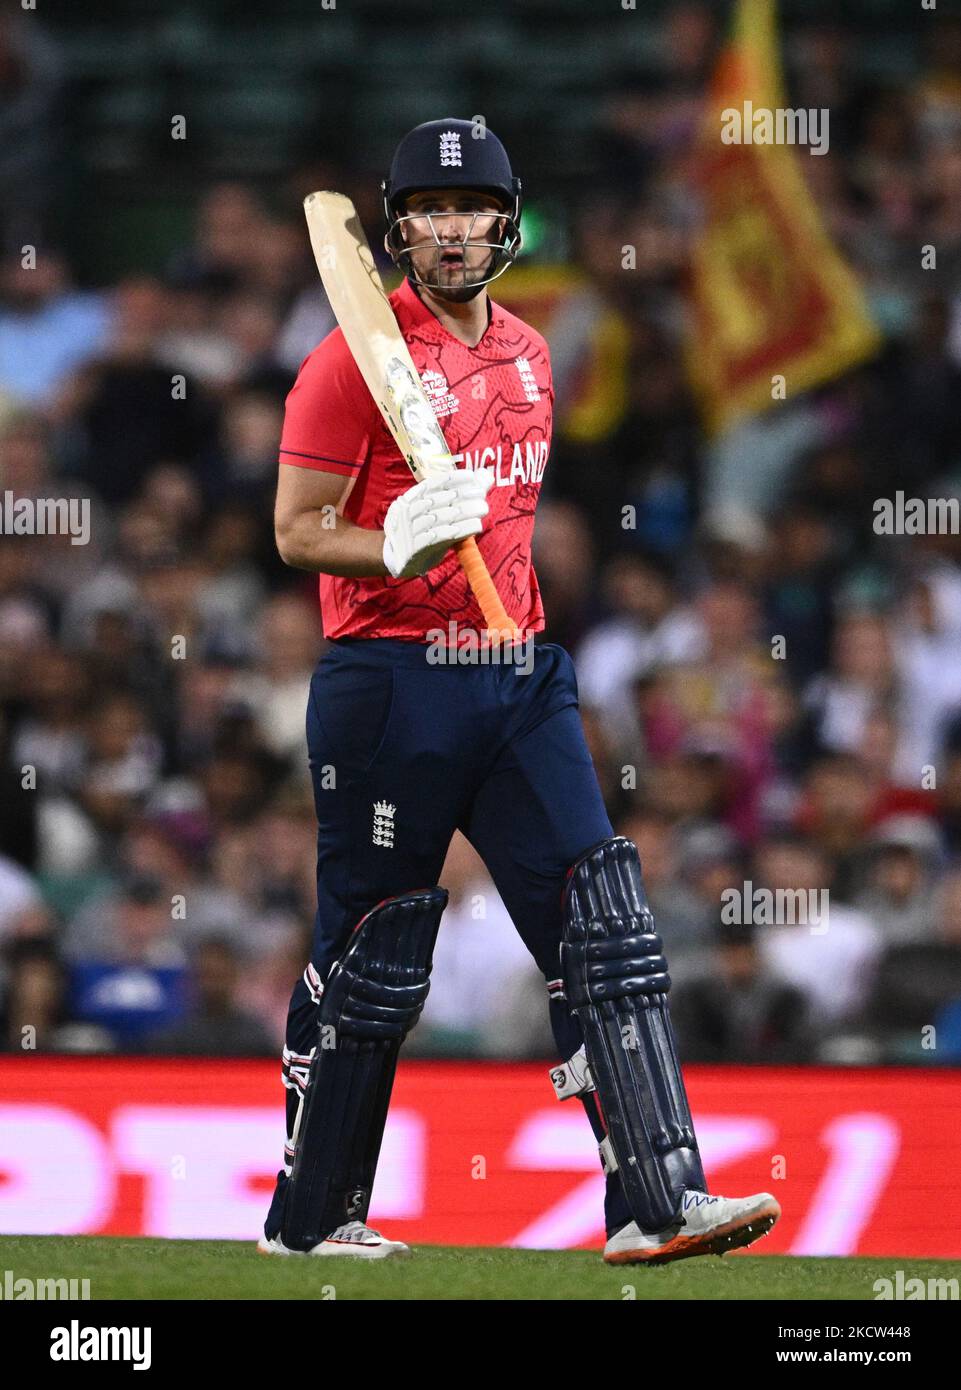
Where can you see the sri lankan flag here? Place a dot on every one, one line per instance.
(770, 293)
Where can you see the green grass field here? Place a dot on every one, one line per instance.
(209, 1269)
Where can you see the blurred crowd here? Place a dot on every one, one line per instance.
(771, 690)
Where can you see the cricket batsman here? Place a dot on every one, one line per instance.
(408, 743)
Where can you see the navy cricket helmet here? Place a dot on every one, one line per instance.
(452, 153)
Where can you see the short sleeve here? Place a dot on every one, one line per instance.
(330, 415)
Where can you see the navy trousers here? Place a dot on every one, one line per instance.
(402, 754)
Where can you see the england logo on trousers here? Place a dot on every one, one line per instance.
(383, 824)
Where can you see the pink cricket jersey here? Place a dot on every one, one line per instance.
(494, 405)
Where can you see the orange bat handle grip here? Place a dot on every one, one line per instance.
(495, 614)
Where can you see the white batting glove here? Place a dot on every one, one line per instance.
(424, 522)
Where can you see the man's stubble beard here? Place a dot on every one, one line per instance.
(456, 294)
(462, 295)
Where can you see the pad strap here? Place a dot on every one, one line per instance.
(573, 1077)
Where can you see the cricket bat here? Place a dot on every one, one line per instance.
(362, 309)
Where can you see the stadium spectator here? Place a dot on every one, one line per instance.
(825, 950)
(47, 328)
(739, 1012)
(917, 988)
(34, 1010)
(648, 628)
(20, 900)
(214, 1023)
(128, 972)
(904, 855)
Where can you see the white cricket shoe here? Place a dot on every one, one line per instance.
(707, 1226)
(354, 1240)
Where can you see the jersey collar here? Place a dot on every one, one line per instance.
(418, 313)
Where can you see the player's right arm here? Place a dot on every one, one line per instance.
(328, 428)
(310, 532)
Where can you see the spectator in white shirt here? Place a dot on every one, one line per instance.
(831, 956)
